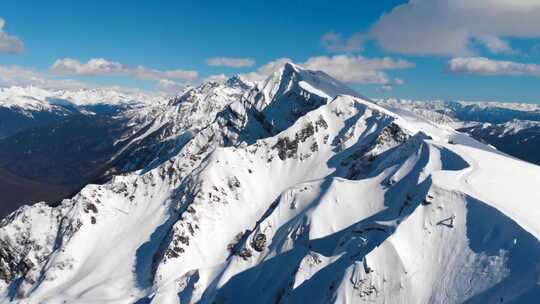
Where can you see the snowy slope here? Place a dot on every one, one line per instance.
(519, 138)
(290, 190)
(455, 113)
(513, 128)
(243, 112)
(53, 142)
(22, 108)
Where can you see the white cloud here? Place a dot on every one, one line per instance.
(496, 45)
(216, 78)
(100, 66)
(358, 69)
(398, 81)
(486, 66)
(385, 88)
(20, 76)
(346, 68)
(266, 70)
(231, 62)
(8, 43)
(453, 27)
(334, 42)
(171, 86)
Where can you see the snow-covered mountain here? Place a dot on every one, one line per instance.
(34, 98)
(293, 190)
(237, 111)
(26, 107)
(519, 138)
(513, 128)
(56, 141)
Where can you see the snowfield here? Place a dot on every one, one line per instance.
(293, 190)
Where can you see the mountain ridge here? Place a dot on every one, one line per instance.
(511, 128)
(286, 192)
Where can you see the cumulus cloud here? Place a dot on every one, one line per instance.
(266, 70)
(358, 69)
(8, 43)
(100, 66)
(217, 78)
(496, 45)
(20, 76)
(346, 68)
(334, 42)
(171, 86)
(486, 66)
(231, 62)
(453, 27)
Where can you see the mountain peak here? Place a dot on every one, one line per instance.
(295, 181)
(346, 195)
(289, 65)
(238, 81)
(294, 80)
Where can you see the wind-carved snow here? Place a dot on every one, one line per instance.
(290, 190)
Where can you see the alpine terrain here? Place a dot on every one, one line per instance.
(291, 190)
(513, 128)
(54, 142)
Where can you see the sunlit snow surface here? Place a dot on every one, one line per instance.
(33, 98)
(289, 191)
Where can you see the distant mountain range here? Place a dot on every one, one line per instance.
(55, 142)
(295, 189)
(512, 128)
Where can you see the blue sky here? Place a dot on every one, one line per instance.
(448, 49)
